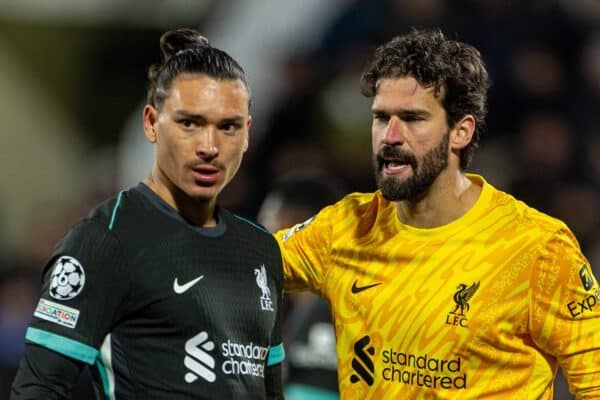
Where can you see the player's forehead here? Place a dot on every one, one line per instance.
(201, 94)
(405, 93)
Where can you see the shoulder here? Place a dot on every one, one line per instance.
(247, 229)
(534, 226)
(358, 201)
(352, 210)
(122, 206)
(357, 214)
(244, 225)
(252, 239)
(355, 205)
(101, 228)
(525, 215)
(134, 219)
(89, 243)
(99, 221)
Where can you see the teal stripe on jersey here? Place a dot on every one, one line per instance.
(252, 223)
(104, 365)
(303, 392)
(62, 345)
(114, 211)
(276, 355)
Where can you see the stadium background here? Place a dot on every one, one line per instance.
(72, 85)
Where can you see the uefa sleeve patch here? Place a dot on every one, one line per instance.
(67, 278)
(297, 228)
(57, 313)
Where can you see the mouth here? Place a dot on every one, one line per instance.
(205, 175)
(389, 164)
(391, 167)
(393, 162)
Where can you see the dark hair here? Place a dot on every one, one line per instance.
(454, 69)
(183, 51)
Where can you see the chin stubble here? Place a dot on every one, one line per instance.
(425, 171)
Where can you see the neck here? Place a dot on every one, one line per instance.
(197, 212)
(447, 199)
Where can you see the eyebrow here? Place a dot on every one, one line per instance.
(402, 112)
(189, 115)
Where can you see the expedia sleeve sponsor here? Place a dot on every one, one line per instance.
(422, 370)
(578, 307)
(588, 303)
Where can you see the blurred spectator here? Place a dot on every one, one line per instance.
(578, 204)
(537, 71)
(592, 157)
(546, 143)
(18, 295)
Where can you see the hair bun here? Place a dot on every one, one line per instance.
(177, 40)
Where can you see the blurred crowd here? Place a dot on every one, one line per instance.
(541, 142)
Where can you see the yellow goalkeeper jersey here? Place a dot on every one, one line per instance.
(486, 307)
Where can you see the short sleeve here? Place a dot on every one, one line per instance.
(565, 312)
(305, 251)
(83, 295)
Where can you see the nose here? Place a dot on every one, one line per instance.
(207, 146)
(394, 132)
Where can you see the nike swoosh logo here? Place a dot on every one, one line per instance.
(179, 289)
(358, 289)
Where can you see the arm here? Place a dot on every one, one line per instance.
(73, 316)
(565, 312)
(274, 382)
(305, 250)
(45, 375)
(276, 355)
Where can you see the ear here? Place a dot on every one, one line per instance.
(463, 132)
(248, 125)
(150, 117)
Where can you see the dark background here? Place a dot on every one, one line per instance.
(73, 81)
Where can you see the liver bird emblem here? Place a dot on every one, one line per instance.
(462, 296)
(261, 281)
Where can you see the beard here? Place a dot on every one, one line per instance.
(425, 171)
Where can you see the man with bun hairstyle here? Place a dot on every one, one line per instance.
(440, 285)
(161, 292)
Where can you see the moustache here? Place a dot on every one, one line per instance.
(392, 153)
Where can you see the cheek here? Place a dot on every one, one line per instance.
(375, 137)
(239, 155)
(169, 152)
(235, 154)
(245, 146)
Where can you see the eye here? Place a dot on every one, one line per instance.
(229, 128)
(187, 123)
(414, 118)
(381, 118)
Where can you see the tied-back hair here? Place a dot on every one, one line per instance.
(184, 51)
(455, 71)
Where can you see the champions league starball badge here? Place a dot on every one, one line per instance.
(67, 279)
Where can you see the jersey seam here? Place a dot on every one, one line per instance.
(328, 268)
(254, 225)
(115, 209)
(126, 300)
(535, 265)
(121, 253)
